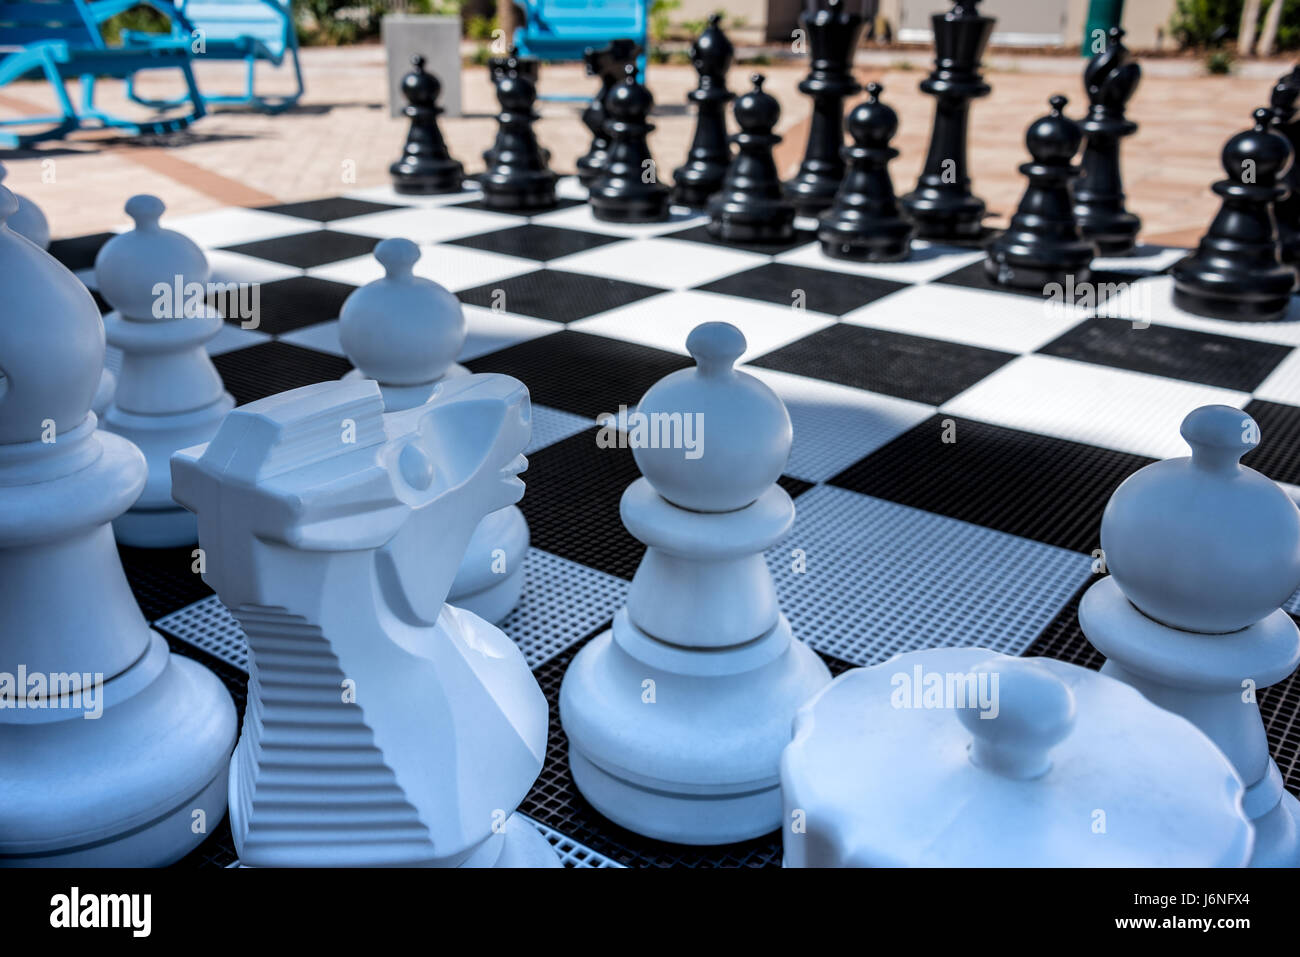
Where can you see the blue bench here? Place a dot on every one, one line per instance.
(565, 29)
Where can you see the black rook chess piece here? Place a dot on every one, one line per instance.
(864, 223)
(425, 166)
(1235, 272)
(1287, 209)
(518, 178)
(1110, 79)
(609, 64)
(833, 34)
(706, 163)
(628, 188)
(750, 207)
(942, 205)
(1042, 244)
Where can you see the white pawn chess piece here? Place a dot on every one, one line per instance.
(384, 726)
(676, 717)
(114, 751)
(28, 221)
(1202, 552)
(405, 331)
(960, 757)
(168, 395)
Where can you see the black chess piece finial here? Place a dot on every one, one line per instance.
(751, 207)
(864, 222)
(609, 64)
(425, 166)
(518, 178)
(833, 33)
(1287, 209)
(942, 205)
(1042, 244)
(706, 164)
(1110, 78)
(512, 62)
(1235, 272)
(628, 188)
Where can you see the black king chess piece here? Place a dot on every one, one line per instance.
(518, 177)
(425, 166)
(751, 207)
(608, 63)
(1287, 209)
(1110, 79)
(942, 205)
(706, 163)
(864, 223)
(1235, 272)
(833, 33)
(628, 188)
(1042, 244)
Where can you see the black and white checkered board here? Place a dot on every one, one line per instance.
(907, 540)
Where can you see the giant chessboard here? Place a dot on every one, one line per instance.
(954, 442)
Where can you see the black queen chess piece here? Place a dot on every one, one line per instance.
(751, 206)
(710, 154)
(425, 166)
(864, 222)
(1235, 272)
(628, 188)
(609, 64)
(518, 177)
(1110, 78)
(1287, 209)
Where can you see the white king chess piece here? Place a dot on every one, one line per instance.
(384, 726)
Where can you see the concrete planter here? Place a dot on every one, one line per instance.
(438, 38)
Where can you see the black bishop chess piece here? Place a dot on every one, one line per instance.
(864, 223)
(710, 155)
(1042, 244)
(751, 206)
(628, 188)
(1110, 78)
(518, 177)
(609, 64)
(425, 166)
(832, 33)
(1235, 272)
(942, 205)
(1287, 209)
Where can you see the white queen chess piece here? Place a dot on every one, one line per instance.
(114, 750)
(27, 220)
(405, 331)
(676, 717)
(384, 726)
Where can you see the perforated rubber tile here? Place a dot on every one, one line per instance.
(80, 251)
(556, 295)
(563, 202)
(700, 234)
(819, 290)
(973, 276)
(1064, 639)
(162, 579)
(208, 625)
(305, 250)
(271, 367)
(289, 304)
(1278, 452)
(330, 209)
(533, 241)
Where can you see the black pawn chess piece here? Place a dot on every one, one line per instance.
(706, 164)
(942, 205)
(1042, 244)
(751, 206)
(864, 223)
(1110, 78)
(628, 188)
(833, 33)
(1235, 272)
(425, 166)
(1287, 209)
(609, 64)
(518, 178)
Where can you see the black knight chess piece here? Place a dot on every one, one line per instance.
(1235, 272)
(518, 178)
(942, 205)
(833, 33)
(751, 206)
(1110, 78)
(706, 164)
(628, 188)
(425, 166)
(1287, 209)
(864, 222)
(1042, 244)
(609, 65)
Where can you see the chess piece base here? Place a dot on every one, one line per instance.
(1006, 267)
(156, 528)
(499, 542)
(884, 242)
(535, 192)
(938, 215)
(695, 191)
(1113, 235)
(651, 207)
(441, 178)
(744, 227)
(1228, 299)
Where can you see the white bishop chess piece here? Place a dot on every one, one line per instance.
(28, 221)
(384, 726)
(405, 331)
(169, 395)
(676, 717)
(1202, 553)
(114, 750)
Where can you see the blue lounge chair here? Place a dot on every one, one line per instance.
(564, 29)
(61, 40)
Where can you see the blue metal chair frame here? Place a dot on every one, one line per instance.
(565, 29)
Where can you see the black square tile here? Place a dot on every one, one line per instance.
(700, 234)
(533, 241)
(561, 203)
(1203, 357)
(271, 367)
(79, 252)
(973, 276)
(582, 373)
(288, 304)
(909, 367)
(1278, 452)
(162, 579)
(305, 250)
(329, 209)
(833, 293)
(557, 295)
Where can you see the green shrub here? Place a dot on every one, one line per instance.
(138, 20)
(1219, 62)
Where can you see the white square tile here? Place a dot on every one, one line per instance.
(236, 267)
(669, 263)
(453, 267)
(234, 225)
(386, 194)
(323, 337)
(1144, 258)
(1151, 300)
(927, 261)
(1283, 383)
(427, 225)
(232, 337)
(490, 330)
(570, 187)
(580, 217)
